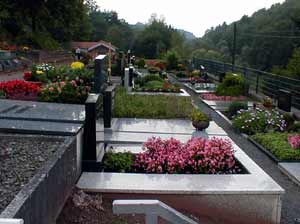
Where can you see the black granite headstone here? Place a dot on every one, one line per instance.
(101, 63)
(284, 100)
(108, 100)
(90, 144)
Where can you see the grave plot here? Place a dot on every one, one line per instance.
(185, 192)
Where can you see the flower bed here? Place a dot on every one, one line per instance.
(19, 89)
(281, 145)
(147, 106)
(214, 97)
(259, 121)
(154, 83)
(197, 156)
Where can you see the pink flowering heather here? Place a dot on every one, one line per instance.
(198, 155)
(212, 96)
(294, 141)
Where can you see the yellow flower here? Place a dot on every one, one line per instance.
(77, 65)
(39, 72)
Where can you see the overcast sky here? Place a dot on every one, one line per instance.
(192, 15)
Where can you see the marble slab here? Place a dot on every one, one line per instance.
(223, 105)
(292, 170)
(27, 110)
(212, 89)
(167, 126)
(183, 93)
(257, 181)
(39, 127)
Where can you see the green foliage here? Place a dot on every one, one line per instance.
(140, 63)
(256, 45)
(154, 85)
(258, 121)
(172, 60)
(143, 106)
(118, 162)
(277, 144)
(234, 107)
(198, 116)
(232, 85)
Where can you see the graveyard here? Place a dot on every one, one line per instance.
(200, 145)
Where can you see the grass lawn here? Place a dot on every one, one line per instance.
(142, 106)
(277, 144)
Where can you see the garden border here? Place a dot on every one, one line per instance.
(43, 197)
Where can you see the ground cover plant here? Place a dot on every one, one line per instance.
(197, 156)
(154, 83)
(259, 121)
(281, 145)
(142, 106)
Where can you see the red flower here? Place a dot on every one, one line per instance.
(27, 75)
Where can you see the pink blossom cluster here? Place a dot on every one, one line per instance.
(198, 155)
(294, 141)
(212, 96)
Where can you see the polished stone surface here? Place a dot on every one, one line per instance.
(202, 87)
(39, 127)
(223, 105)
(254, 183)
(167, 126)
(27, 110)
(292, 170)
(182, 93)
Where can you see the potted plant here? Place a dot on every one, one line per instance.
(200, 120)
(268, 103)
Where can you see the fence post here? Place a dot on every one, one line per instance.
(257, 83)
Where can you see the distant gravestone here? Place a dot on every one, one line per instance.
(284, 100)
(101, 63)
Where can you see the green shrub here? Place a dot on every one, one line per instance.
(172, 60)
(146, 106)
(118, 162)
(232, 85)
(234, 107)
(149, 78)
(141, 63)
(277, 144)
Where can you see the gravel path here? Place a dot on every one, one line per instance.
(20, 158)
(291, 199)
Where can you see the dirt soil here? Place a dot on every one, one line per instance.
(85, 208)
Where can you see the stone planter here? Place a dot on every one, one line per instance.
(200, 125)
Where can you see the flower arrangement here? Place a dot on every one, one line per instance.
(65, 92)
(198, 155)
(197, 116)
(27, 75)
(267, 102)
(77, 65)
(196, 73)
(212, 96)
(20, 90)
(294, 141)
(259, 121)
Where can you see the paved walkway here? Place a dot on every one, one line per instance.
(291, 199)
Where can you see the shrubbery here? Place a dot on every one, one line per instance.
(232, 85)
(234, 107)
